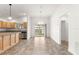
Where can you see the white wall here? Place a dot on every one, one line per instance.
(55, 23)
(74, 29)
(29, 28)
(71, 15)
(35, 20)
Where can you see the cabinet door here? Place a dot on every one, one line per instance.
(6, 42)
(0, 24)
(13, 39)
(17, 37)
(1, 43)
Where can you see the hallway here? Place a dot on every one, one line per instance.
(37, 46)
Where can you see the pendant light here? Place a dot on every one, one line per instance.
(10, 17)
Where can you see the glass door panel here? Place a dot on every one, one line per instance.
(40, 30)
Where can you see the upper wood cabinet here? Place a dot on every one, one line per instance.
(24, 25)
(0, 24)
(7, 24)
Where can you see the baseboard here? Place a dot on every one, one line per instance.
(73, 53)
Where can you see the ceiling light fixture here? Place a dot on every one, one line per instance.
(10, 17)
(40, 11)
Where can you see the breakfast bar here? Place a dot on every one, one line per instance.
(8, 39)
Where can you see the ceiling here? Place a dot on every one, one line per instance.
(32, 10)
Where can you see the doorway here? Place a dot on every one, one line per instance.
(64, 34)
(40, 30)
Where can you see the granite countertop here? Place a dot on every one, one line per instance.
(12, 30)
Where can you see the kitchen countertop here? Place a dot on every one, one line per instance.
(12, 30)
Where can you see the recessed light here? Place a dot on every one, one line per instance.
(40, 11)
(24, 14)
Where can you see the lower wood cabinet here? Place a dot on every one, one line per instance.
(1, 43)
(13, 39)
(17, 37)
(7, 40)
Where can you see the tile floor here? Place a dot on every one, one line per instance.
(37, 46)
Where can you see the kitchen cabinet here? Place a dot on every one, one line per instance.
(6, 25)
(1, 43)
(13, 25)
(0, 24)
(13, 39)
(25, 24)
(6, 42)
(17, 37)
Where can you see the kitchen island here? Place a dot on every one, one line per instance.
(8, 39)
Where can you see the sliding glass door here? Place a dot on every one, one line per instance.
(40, 30)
